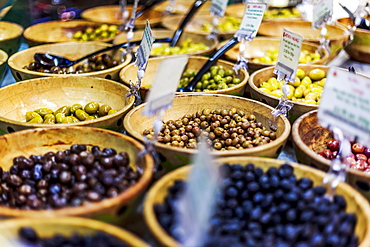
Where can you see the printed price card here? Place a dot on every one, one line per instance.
(218, 7)
(345, 104)
(143, 52)
(288, 58)
(165, 84)
(251, 21)
(322, 12)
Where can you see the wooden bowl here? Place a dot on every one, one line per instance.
(260, 45)
(309, 138)
(42, 140)
(338, 35)
(66, 226)
(359, 48)
(195, 63)
(70, 50)
(3, 59)
(112, 14)
(172, 22)
(164, 33)
(262, 75)
(55, 92)
(10, 37)
(355, 202)
(135, 123)
(58, 31)
(183, 7)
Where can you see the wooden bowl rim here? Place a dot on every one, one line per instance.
(92, 207)
(276, 39)
(61, 24)
(25, 83)
(357, 30)
(221, 91)
(308, 151)
(34, 49)
(15, 27)
(287, 23)
(96, 225)
(167, 240)
(3, 57)
(281, 139)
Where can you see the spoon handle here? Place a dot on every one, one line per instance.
(122, 45)
(176, 36)
(351, 15)
(211, 61)
(147, 7)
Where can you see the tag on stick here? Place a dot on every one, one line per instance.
(321, 12)
(143, 52)
(251, 21)
(218, 7)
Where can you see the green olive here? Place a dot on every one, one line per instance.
(81, 114)
(31, 115)
(43, 111)
(37, 120)
(111, 111)
(91, 107)
(104, 109)
(59, 117)
(66, 110)
(67, 119)
(49, 119)
(75, 107)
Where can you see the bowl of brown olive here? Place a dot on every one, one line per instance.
(189, 43)
(220, 78)
(105, 65)
(61, 231)
(316, 146)
(234, 126)
(263, 52)
(68, 31)
(72, 171)
(63, 101)
(263, 202)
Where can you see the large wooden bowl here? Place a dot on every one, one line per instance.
(55, 92)
(164, 33)
(183, 7)
(70, 50)
(309, 138)
(66, 226)
(112, 14)
(337, 34)
(3, 59)
(359, 48)
(172, 22)
(10, 38)
(195, 63)
(260, 45)
(58, 31)
(42, 140)
(355, 202)
(135, 123)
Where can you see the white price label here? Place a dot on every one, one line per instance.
(218, 7)
(288, 58)
(251, 21)
(321, 12)
(165, 84)
(345, 104)
(143, 52)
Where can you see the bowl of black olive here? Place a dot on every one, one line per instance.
(72, 171)
(65, 231)
(105, 65)
(264, 202)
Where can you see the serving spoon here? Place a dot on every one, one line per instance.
(50, 60)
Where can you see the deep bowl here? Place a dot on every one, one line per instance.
(10, 37)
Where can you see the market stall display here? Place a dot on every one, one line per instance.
(72, 50)
(54, 93)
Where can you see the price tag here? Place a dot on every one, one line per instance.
(251, 21)
(288, 58)
(143, 52)
(321, 12)
(218, 7)
(197, 204)
(345, 104)
(165, 84)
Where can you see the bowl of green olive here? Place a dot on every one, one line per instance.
(189, 43)
(220, 79)
(263, 52)
(68, 100)
(233, 126)
(202, 24)
(67, 31)
(105, 65)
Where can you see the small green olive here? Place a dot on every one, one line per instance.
(91, 107)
